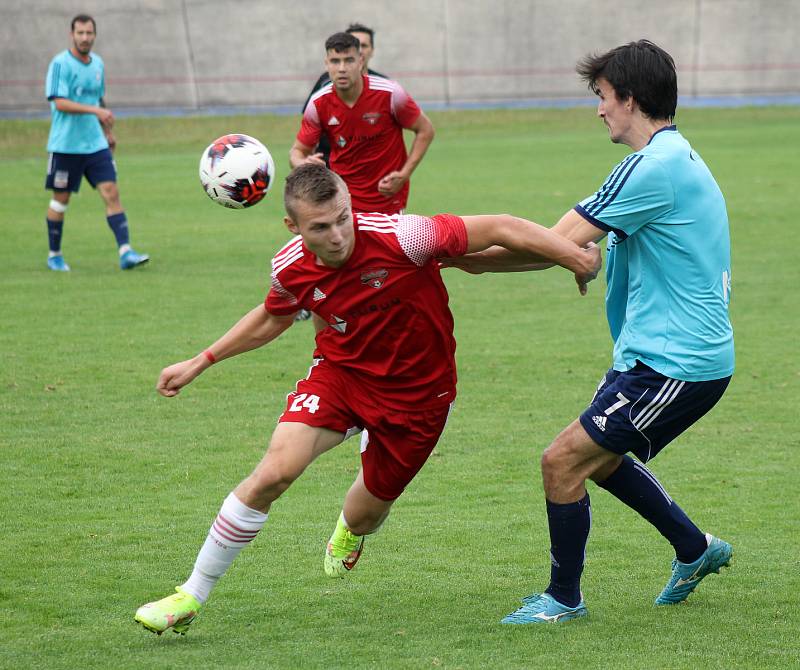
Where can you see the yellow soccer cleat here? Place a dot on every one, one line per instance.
(343, 551)
(176, 611)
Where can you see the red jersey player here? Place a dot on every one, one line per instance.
(387, 362)
(363, 117)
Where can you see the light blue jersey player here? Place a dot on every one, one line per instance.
(81, 141)
(667, 262)
(668, 272)
(70, 78)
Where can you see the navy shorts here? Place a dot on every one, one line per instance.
(65, 171)
(642, 411)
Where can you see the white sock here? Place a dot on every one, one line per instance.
(124, 249)
(233, 529)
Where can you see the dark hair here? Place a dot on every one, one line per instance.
(311, 183)
(361, 28)
(341, 42)
(640, 70)
(82, 18)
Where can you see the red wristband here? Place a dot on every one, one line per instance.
(211, 358)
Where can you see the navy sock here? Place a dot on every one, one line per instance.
(54, 231)
(637, 487)
(569, 531)
(119, 224)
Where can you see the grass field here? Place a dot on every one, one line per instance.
(107, 490)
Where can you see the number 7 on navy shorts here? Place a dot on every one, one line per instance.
(642, 411)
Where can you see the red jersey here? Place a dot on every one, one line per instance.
(389, 324)
(366, 139)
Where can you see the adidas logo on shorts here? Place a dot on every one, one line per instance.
(600, 421)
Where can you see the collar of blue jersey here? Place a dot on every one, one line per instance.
(661, 130)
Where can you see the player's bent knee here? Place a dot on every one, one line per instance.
(266, 484)
(551, 462)
(559, 471)
(109, 192)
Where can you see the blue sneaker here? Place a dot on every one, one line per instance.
(57, 263)
(686, 576)
(130, 259)
(543, 608)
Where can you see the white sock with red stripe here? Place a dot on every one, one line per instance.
(233, 529)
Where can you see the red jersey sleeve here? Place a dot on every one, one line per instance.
(279, 300)
(404, 108)
(310, 127)
(282, 299)
(423, 238)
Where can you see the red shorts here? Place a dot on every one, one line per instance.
(394, 445)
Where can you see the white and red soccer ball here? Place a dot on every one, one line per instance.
(236, 171)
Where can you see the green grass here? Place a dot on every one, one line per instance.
(107, 490)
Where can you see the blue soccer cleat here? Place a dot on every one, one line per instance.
(130, 259)
(686, 576)
(57, 263)
(543, 608)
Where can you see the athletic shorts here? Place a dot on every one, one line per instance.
(394, 445)
(65, 171)
(642, 411)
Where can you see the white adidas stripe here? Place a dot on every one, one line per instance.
(644, 471)
(277, 267)
(378, 217)
(291, 243)
(377, 224)
(325, 89)
(286, 252)
(667, 401)
(381, 84)
(642, 416)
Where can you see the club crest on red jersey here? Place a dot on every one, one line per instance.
(341, 141)
(374, 278)
(371, 117)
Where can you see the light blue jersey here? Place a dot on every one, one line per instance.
(668, 263)
(68, 77)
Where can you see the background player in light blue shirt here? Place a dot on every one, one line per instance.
(668, 273)
(81, 141)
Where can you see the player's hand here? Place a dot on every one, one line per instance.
(112, 141)
(315, 159)
(594, 261)
(391, 183)
(106, 118)
(173, 378)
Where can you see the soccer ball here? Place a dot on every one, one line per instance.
(236, 171)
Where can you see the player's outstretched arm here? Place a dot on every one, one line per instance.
(574, 227)
(496, 259)
(254, 329)
(526, 239)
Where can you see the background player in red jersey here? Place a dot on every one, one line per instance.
(363, 117)
(387, 362)
(366, 38)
